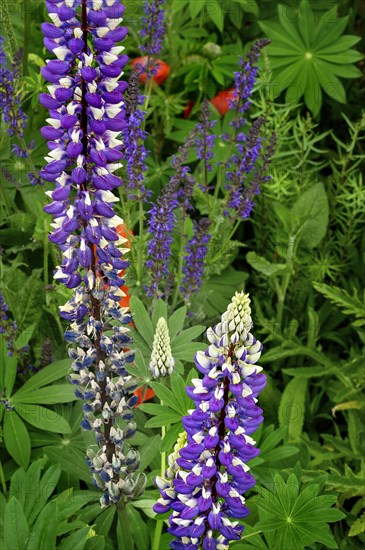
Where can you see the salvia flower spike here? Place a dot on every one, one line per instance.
(206, 480)
(162, 362)
(87, 117)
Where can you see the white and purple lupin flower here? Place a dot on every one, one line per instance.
(85, 100)
(203, 488)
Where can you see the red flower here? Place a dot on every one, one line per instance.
(188, 108)
(220, 101)
(163, 70)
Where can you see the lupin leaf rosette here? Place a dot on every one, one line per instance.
(207, 477)
(87, 117)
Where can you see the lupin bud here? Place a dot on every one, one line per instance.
(162, 362)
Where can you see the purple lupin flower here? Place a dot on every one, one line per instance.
(193, 262)
(134, 136)
(153, 29)
(244, 82)
(162, 221)
(85, 101)
(10, 98)
(204, 485)
(243, 171)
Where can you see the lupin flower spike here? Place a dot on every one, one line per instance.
(204, 487)
(85, 101)
(162, 362)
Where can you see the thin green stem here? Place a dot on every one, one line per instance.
(159, 523)
(286, 278)
(2, 479)
(235, 227)
(140, 248)
(45, 253)
(125, 525)
(26, 35)
(181, 256)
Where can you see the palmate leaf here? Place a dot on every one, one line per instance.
(308, 56)
(297, 518)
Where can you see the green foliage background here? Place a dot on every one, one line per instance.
(301, 257)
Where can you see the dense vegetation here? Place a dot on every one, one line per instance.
(298, 249)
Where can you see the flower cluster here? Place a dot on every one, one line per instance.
(134, 136)
(10, 99)
(243, 172)
(204, 486)
(162, 221)
(244, 82)
(153, 29)
(162, 362)
(9, 329)
(195, 253)
(87, 117)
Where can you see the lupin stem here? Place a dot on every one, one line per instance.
(159, 523)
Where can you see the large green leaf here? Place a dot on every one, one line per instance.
(51, 395)
(43, 535)
(292, 407)
(46, 376)
(16, 439)
(16, 530)
(311, 208)
(142, 320)
(43, 418)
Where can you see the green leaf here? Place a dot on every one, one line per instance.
(176, 322)
(24, 337)
(16, 530)
(30, 301)
(292, 407)
(311, 209)
(263, 266)
(160, 310)
(10, 369)
(308, 372)
(171, 436)
(186, 336)
(196, 7)
(214, 11)
(46, 487)
(95, 543)
(178, 388)
(166, 396)
(142, 320)
(16, 439)
(138, 528)
(71, 462)
(149, 450)
(47, 375)
(350, 305)
(43, 418)
(76, 541)
(329, 82)
(51, 395)
(159, 421)
(43, 535)
(358, 526)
